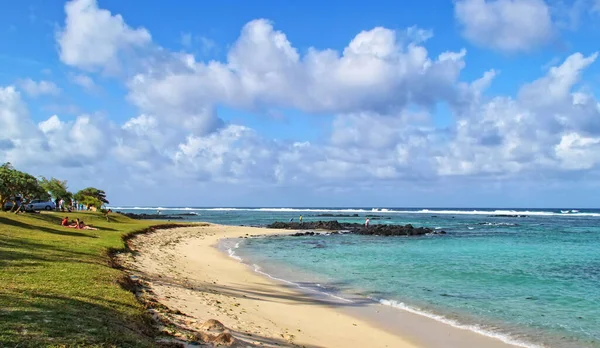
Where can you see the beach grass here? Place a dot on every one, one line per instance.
(57, 288)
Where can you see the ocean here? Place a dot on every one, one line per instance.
(530, 277)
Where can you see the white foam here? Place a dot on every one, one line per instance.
(257, 269)
(475, 328)
(573, 212)
(232, 254)
(495, 212)
(395, 304)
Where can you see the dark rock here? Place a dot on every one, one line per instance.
(336, 227)
(335, 215)
(509, 216)
(313, 225)
(154, 216)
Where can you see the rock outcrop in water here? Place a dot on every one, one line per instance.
(313, 225)
(372, 217)
(335, 215)
(156, 216)
(509, 216)
(378, 230)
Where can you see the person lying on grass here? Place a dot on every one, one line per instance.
(80, 225)
(83, 226)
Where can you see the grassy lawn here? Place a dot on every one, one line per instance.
(57, 288)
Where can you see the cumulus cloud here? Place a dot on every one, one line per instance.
(380, 92)
(83, 80)
(51, 142)
(541, 129)
(505, 25)
(94, 38)
(380, 70)
(38, 88)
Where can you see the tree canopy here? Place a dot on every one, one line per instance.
(14, 183)
(57, 189)
(91, 196)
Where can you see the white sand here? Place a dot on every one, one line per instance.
(186, 272)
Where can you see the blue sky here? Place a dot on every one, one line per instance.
(436, 103)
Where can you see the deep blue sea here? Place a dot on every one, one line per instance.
(531, 280)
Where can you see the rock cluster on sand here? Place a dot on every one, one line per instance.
(212, 325)
(379, 230)
(217, 334)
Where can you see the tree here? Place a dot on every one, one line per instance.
(7, 183)
(29, 189)
(16, 184)
(57, 189)
(91, 197)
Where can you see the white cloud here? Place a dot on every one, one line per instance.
(12, 112)
(578, 152)
(39, 88)
(557, 84)
(505, 25)
(51, 142)
(84, 81)
(381, 90)
(548, 122)
(376, 72)
(94, 38)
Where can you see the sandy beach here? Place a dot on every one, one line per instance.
(183, 270)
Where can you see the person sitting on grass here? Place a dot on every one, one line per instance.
(65, 222)
(74, 224)
(80, 225)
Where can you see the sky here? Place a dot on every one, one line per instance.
(464, 103)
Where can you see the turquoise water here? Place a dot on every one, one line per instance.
(533, 279)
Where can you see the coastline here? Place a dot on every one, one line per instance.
(183, 270)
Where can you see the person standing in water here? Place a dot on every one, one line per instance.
(367, 223)
(300, 218)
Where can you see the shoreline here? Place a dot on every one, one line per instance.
(373, 305)
(184, 270)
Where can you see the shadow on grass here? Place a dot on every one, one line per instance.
(63, 231)
(35, 319)
(21, 252)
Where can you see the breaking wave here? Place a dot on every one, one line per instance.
(570, 212)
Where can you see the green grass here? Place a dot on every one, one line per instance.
(57, 288)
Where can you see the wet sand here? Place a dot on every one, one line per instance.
(182, 269)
